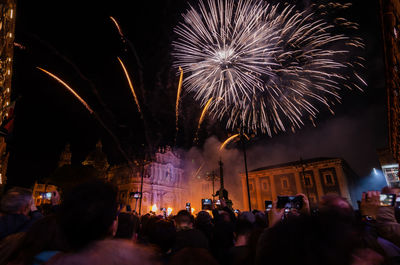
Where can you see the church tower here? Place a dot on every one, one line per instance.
(65, 157)
(97, 159)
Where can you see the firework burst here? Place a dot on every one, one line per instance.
(271, 64)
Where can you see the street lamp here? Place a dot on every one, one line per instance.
(245, 166)
(136, 195)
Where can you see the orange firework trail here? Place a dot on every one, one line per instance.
(91, 112)
(230, 139)
(227, 141)
(130, 85)
(117, 25)
(203, 114)
(178, 95)
(69, 89)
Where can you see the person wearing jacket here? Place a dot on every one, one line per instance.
(19, 212)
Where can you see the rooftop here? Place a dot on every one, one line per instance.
(297, 163)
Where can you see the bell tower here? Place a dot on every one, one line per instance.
(65, 157)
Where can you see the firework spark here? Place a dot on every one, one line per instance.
(117, 26)
(227, 141)
(203, 113)
(178, 97)
(198, 170)
(271, 64)
(130, 85)
(67, 87)
(202, 116)
(115, 139)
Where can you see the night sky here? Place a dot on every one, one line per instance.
(77, 41)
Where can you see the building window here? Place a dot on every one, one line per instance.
(328, 179)
(251, 186)
(312, 198)
(285, 183)
(264, 185)
(308, 181)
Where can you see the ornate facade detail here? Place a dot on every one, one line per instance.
(163, 181)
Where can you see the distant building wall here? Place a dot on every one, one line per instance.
(321, 176)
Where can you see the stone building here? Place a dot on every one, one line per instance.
(390, 22)
(314, 177)
(390, 167)
(163, 181)
(7, 33)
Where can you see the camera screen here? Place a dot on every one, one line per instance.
(268, 205)
(46, 195)
(289, 202)
(387, 199)
(206, 204)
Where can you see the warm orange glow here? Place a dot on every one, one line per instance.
(154, 208)
(68, 87)
(178, 96)
(193, 209)
(169, 210)
(227, 141)
(117, 25)
(130, 85)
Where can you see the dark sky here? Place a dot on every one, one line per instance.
(74, 38)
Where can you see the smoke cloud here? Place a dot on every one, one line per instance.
(353, 137)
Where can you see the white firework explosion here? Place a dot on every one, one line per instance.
(264, 66)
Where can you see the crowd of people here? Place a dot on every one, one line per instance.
(86, 226)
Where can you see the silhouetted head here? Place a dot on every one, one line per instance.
(184, 219)
(308, 240)
(88, 213)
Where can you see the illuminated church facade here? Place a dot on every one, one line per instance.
(163, 182)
